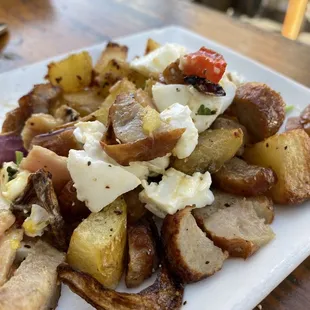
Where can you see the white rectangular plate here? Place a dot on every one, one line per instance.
(240, 285)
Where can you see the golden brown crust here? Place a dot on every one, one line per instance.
(39, 100)
(288, 154)
(172, 74)
(259, 108)
(165, 294)
(142, 253)
(239, 178)
(146, 149)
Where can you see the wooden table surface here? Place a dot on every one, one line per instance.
(44, 28)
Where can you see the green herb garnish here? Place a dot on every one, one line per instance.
(19, 157)
(289, 108)
(205, 111)
(11, 173)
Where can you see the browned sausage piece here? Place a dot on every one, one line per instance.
(191, 255)
(238, 230)
(142, 253)
(259, 108)
(262, 205)
(239, 178)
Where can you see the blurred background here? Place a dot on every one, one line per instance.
(268, 15)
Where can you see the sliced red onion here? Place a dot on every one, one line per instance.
(9, 144)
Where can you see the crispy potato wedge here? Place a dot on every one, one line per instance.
(38, 124)
(112, 51)
(115, 71)
(288, 155)
(238, 230)
(135, 208)
(165, 294)
(97, 245)
(214, 148)
(41, 99)
(73, 73)
(142, 253)
(85, 101)
(262, 205)
(232, 123)
(151, 45)
(190, 254)
(260, 109)
(238, 177)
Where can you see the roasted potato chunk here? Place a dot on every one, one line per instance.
(135, 208)
(288, 155)
(85, 101)
(41, 99)
(151, 45)
(112, 51)
(301, 122)
(262, 205)
(38, 124)
(97, 245)
(231, 123)
(73, 73)
(116, 70)
(260, 109)
(142, 253)
(190, 254)
(238, 177)
(238, 230)
(214, 148)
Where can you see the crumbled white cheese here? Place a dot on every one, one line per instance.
(166, 95)
(11, 189)
(177, 190)
(98, 183)
(156, 61)
(179, 116)
(35, 224)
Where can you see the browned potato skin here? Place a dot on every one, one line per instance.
(260, 109)
(165, 294)
(112, 51)
(301, 122)
(71, 208)
(60, 141)
(214, 148)
(288, 154)
(135, 208)
(40, 99)
(239, 178)
(142, 253)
